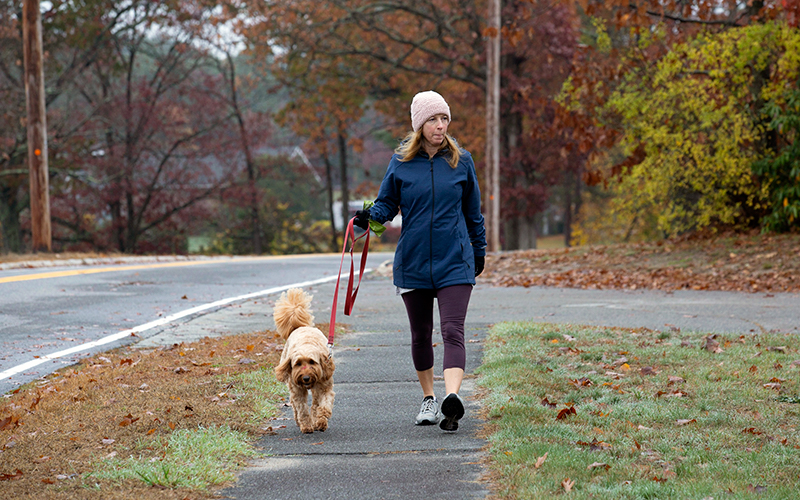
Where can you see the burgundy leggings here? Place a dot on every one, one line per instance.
(453, 302)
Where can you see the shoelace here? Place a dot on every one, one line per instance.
(429, 405)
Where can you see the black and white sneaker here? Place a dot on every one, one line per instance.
(429, 412)
(452, 411)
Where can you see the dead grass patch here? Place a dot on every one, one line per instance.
(127, 403)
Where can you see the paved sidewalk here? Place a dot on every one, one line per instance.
(372, 449)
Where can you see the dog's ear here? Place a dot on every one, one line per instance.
(328, 366)
(284, 370)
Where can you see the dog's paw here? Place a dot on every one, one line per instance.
(306, 429)
(321, 425)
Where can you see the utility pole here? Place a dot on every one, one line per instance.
(493, 127)
(37, 126)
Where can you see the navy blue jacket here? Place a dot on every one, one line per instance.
(443, 228)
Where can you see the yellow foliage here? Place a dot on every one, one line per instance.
(697, 114)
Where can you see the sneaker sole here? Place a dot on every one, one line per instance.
(452, 409)
(427, 422)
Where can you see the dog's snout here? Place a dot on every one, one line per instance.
(306, 379)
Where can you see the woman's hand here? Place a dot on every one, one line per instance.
(362, 219)
(479, 263)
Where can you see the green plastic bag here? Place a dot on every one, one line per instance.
(375, 227)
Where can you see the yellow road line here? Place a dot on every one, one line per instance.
(75, 272)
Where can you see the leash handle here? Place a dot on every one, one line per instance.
(350, 299)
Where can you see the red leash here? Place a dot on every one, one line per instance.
(350, 299)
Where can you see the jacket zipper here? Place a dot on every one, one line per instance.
(433, 205)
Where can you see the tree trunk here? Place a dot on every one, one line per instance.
(41, 233)
(329, 187)
(9, 219)
(116, 220)
(492, 180)
(251, 168)
(343, 175)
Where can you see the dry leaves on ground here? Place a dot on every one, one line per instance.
(52, 432)
(750, 263)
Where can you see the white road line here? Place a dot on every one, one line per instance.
(159, 322)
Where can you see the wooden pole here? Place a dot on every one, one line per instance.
(493, 127)
(37, 126)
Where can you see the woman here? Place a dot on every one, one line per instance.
(432, 182)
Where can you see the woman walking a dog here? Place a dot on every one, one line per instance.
(432, 181)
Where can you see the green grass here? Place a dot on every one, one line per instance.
(261, 391)
(742, 441)
(203, 457)
(194, 459)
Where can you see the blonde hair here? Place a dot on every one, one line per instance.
(412, 143)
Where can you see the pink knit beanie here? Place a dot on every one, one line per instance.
(427, 104)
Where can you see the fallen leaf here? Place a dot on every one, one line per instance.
(246, 361)
(9, 422)
(128, 420)
(596, 465)
(776, 386)
(171, 425)
(675, 380)
(566, 412)
(567, 485)
(686, 421)
(540, 461)
(581, 382)
(756, 488)
(315, 444)
(41, 459)
(11, 477)
(648, 370)
(47, 480)
(544, 402)
(711, 345)
(107, 441)
(251, 347)
(595, 445)
(780, 348)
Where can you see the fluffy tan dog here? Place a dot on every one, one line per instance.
(305, 364)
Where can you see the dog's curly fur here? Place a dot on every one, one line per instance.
(305, 362)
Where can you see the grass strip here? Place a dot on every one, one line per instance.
(190, 458)
(637, 414)
(141, 424)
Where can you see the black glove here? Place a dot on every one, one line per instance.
(479, 262)
(362, 219)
